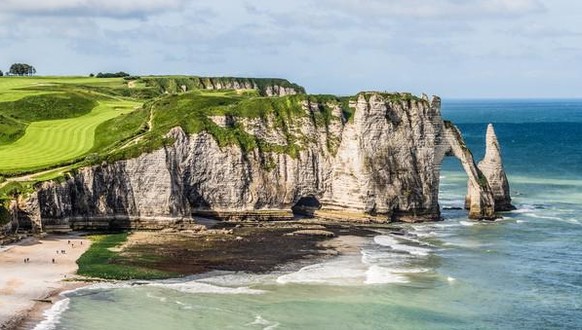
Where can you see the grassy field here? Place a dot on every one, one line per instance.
(54, 141)
(47, 121)
(15, 88)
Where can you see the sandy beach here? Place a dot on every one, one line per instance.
(23, 284)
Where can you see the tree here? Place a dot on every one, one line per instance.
(119, 74)
(1, 73)
(22, 69)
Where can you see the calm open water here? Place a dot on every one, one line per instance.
(522, 272)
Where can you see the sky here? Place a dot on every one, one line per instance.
(451, 48)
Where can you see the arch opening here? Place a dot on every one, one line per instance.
(306, 206)
(452, 188)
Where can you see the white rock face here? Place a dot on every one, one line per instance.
(383, 163)
(492, 168)
(479, 200)
(273, 89)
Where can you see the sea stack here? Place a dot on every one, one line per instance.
(492, 168)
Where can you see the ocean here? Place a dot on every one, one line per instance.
(523, 271)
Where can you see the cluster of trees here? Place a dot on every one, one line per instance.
(20, 69)
(119, 74)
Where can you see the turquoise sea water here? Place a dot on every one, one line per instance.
(521, 272)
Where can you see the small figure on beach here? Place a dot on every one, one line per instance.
(57, 251)
(62, 251)
(53, 260)
(69, 242)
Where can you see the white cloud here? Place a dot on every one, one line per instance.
(453, 47)
(113, 8)
(437, 9)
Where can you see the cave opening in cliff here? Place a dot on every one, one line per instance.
(306, 206)
(452, 185)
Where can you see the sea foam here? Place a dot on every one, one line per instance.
(199, 287)
(52, 316)
(345, 271)
(260, 321)
(395, 244)
(380, 275)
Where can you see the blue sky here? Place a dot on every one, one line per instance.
(452, 48)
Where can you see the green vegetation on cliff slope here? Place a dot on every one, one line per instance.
(52, 125)
(49, 122)
(194, 112)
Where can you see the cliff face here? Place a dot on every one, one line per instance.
(381, 163)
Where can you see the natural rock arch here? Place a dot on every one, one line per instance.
(487, 186)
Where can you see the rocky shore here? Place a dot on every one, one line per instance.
(250, 246)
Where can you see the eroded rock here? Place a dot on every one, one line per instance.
(492, 168)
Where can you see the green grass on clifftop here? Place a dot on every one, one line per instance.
(51, 142)
(51, 121)
(193, 111)
(52, 125)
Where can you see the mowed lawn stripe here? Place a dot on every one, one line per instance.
(51, 142)
(54, 141)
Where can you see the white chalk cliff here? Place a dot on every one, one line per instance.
(382, 163)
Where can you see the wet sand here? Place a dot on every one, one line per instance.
(29, 287)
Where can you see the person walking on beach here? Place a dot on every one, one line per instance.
(53, 260)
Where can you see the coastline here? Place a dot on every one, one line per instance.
(238, 244)
(27, 289)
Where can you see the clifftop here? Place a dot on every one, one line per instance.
(263, 86)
